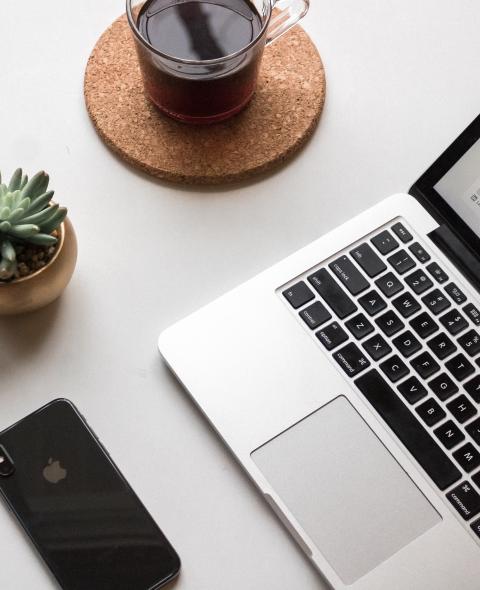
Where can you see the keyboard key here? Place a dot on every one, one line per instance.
(470, 342)
(476, 479)
(441, 346)
(443, 387)
(472, 312)
(389, 284)
(475, 526)
(406, 304)
(401, 262)
(437, 273)
(455, 293)
(459, 367)
(377, 347)
(430, 412)
(472, 387)
(389, 323)
(436, 301)
(473, 430)
(315, 315)
(372, 302)
(425, 365)
(384, 242)
(394, 368)
(449, 434)
(359, 326)
(418, 281)
(462, 408)
(454, 321)
(468, 457)
(298, 294)
(348, 274)
(412, 390)
(407, 344)
(371, 263)
(408, 429)
(331, 292)
(402, 233)
(419, 252)
(332, 336)
(351, 359)
(424, 325)
(466, 500)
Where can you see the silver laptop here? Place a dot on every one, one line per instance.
(346, 381)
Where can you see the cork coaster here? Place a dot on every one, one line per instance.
(281, 117)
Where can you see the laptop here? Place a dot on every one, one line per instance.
(346, 381)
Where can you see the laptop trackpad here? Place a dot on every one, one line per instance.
(345, 489)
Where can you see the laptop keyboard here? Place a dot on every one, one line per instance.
(396, 324)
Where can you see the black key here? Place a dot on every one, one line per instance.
(455, 293)
(472, 312)
(402, 233)
(454, 321)
(389, 284)
(473, 430)
(401, 262)
(472, 387)
(468, 457)
(377, 347)
(371, 263)
(384, 242)
(372, 303)
(351, 359)
(315, 315)
(443, 387)
(462, 408)
(441, 346)
(424, 325)
(459, 367)
(389, 323)
(332, 336)
(466, 500)
(430, 412)
(470, 342)
(359, 326)
(449, 434)
(425, 365)
(412, 390)
(436, 301)
(418, 281)
(406, 304)
(394, 368)
(475, 526)
(419, 252)
(298, 294)
(408, 429)
(407, 344)
(332, 293)
(437, 273)
(347, 273)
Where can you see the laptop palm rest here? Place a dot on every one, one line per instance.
(345, 489)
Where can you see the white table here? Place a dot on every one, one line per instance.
(403, 80)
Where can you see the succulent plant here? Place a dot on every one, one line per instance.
(26, 215)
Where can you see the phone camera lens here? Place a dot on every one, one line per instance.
(6, 464)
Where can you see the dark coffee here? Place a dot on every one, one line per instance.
(200, 31)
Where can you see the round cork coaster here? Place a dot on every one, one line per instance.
(278, 121)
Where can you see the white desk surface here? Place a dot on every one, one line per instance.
(403, 81)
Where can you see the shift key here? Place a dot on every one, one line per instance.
(344, 269)
(332, 293)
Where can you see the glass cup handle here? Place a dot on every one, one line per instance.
(287, 14)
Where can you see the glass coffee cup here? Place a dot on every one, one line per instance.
(200, 59)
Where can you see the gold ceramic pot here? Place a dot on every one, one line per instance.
(45, 285)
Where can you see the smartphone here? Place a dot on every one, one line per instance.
(79, 511)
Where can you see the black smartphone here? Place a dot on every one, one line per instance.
(79, 511)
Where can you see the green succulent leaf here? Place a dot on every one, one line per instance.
(5, 213)
(16, 215)
(40, 202)
(7, 269)
(8, 251)
(15, 180)
(43, 240)
(55, 221)
(5, 226)
(24, 181)
(36, 185)
(24, 231)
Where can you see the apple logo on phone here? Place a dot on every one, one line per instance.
(54, 472)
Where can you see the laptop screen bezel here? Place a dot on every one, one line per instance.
(424, 190)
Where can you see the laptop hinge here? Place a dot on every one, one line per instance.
(463, 258)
